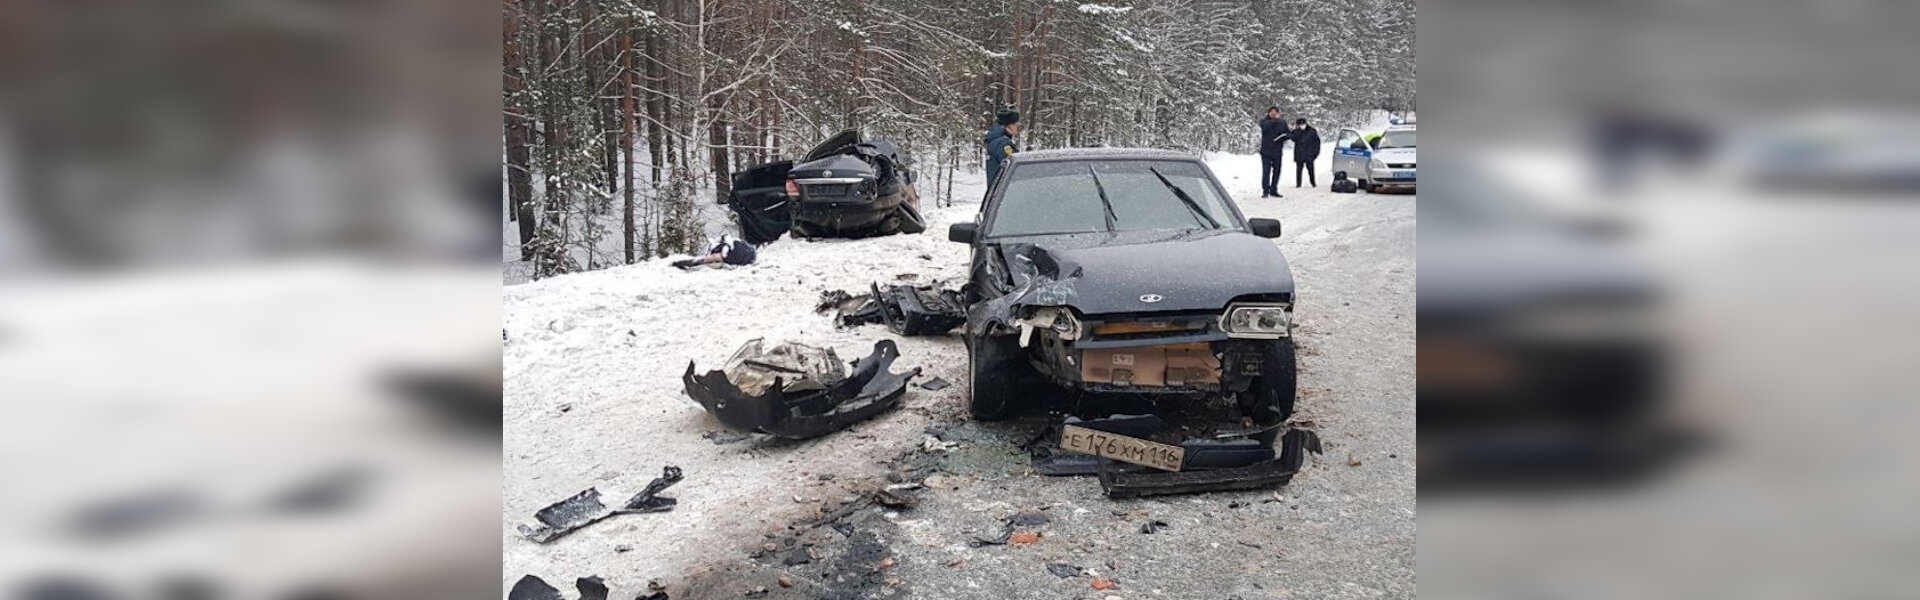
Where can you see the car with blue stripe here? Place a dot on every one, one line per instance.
(1377, 161)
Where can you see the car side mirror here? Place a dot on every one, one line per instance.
(964, 232)
(1266, 228)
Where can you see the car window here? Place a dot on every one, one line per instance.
(1397, 139)
(1350, 139)
(1062, 197)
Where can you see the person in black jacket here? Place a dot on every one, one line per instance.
(725, 250)
(1273, 132)
(1306, 148)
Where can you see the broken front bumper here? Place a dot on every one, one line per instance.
(1260, 475)
(1240, 461)
(803, 408)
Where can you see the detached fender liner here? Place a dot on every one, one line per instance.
(804, 409)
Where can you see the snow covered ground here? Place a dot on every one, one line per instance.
(592, 366)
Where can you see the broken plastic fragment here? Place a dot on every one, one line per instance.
(800, 399)
(907, 310)
(534, 588)
(585, 508)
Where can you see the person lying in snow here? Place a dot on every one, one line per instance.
(725, 250)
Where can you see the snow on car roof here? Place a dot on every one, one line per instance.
(1102, 153)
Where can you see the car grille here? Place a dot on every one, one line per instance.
(1399, 165)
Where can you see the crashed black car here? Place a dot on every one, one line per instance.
(1540, 356)
(1125, 273)
(849, 186)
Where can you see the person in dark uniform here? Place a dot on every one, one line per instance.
(726, 250)
(1273, 134)
(1000, 143)
(1306, 149)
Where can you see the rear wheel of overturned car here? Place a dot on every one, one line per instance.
(1269, 397)
(992, 377)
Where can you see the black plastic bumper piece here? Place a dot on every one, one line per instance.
(1273, 473)
(871, 389)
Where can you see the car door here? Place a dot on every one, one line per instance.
(759, 197)
(1351, 153)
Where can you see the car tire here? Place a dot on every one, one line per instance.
(1366, 186)
(991, 382)
(1277, 386)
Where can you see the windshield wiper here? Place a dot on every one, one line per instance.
(1200, 216)
(1112, 219)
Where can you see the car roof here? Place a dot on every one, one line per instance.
(1103, 154)
(1404, 127)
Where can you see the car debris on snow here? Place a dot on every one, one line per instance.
(796, 391)
(1224, 460)
(934, 444)
(934, 385)
(1259, 475)
(907, 310)
(585, 508)
(532, 587)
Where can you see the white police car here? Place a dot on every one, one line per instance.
(1376, 162)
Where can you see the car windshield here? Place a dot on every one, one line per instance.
(1109, 195)
(1396, 139)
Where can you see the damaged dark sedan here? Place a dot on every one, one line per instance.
(1126, 277)
(852, 185)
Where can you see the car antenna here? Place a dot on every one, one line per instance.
(1112, 219)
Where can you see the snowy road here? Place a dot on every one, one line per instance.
(593, 397)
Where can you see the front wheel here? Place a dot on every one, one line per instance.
(1270, 397)
(991, 377)
(1366, 186)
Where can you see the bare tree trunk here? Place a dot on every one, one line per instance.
(722, 178)
(519, 133)
(626, 144)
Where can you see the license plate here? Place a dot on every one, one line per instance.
(1122, 448)
(1403, 174)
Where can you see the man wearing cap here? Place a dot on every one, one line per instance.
(1000, 142)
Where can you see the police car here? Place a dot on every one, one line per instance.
(1377, 161)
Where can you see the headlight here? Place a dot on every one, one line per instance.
(1266, 321)
(1377, 164)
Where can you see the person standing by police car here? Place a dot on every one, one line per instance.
(1000, 143)
(1273, 134)
(1306, 149)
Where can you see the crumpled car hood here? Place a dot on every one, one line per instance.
(1186, 270)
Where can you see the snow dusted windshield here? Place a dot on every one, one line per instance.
(1396, 139)
(1066, 197)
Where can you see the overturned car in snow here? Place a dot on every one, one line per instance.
(1129, 279)
(851, 186)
